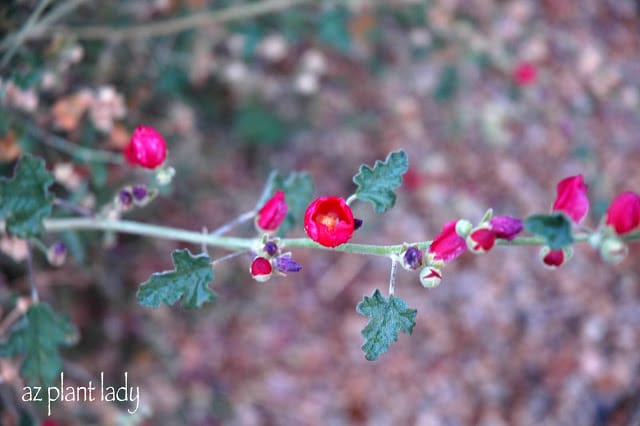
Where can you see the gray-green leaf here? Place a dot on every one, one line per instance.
(387, 317)
(554, 227)
(37, 335)
(189, 280)
(25, 200)
(378, 185)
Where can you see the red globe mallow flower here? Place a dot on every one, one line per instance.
(505, 227)
(623, 214)
(447, 245)
(261, 269)
(525, 73)
(481, 240)
(572, 198)
(147, 148)
(329, 221)
(272, 213)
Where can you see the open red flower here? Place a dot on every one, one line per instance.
(447, 245)
(623, 214)
(147, 148)
(329, 221)
(272, 213)
(572, 198)
(261, 269)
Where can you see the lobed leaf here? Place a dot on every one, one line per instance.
(189, 280)
(38, 335)
(378, 185)
(387, 317)
(25, 200)
(554, 227)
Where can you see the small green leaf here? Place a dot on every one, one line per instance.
(297, 187)
(37, 335)
(25, 199)
(554, 227)
(378, 185)
(387, 317)
(189, 280)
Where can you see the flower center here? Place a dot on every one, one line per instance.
(330, 220)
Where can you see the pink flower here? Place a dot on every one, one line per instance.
(447, 245)
(623, 214)
(261, 269)
(572, 198)
(147, 148)
(554, 258)
(272, 213)
(525, 73)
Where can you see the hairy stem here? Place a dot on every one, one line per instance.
(241, 244)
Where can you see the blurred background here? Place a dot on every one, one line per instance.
(494, 101)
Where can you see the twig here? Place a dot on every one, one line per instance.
(20, 36)
(172, 26)
(17, 312)
(41, 27)
(83, 211)
(235, 222)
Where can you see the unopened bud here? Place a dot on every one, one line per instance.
(613, 250)
(430, 277)
(463, 228)
(57, 253)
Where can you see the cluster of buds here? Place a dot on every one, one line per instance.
(134, 196)
(268, 259)
(482, 238)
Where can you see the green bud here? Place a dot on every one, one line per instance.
(613, 250)
(463, 228)
(430, 277)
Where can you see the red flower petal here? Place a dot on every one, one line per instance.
(554, 258)
(272, 212)
(572, 198)
(624, 212)
(482, 240)
(329, 221)
(448, 245)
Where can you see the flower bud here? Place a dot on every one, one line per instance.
(272, 213)
(480, 240)
(147, 148)
(572, 198)
(139, 192)
(261, 269)
(505, 227)
(270, 248)
(412, 258)
(430, 277)
(555, 258)
(286, 264)
(623, 214)
(463, 228)
(447, 245)
(613, 250)
(57, 253)
(125, 199)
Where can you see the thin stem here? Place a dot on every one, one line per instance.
(235, 222)
(351, 199)
(235, 244)
(40, 246)
(228, 257)
(83, 211)
(31, 272)
(392, 276)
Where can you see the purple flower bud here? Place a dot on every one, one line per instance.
(505, 227)
(270, 248)
(357, 223)
(57, 253)
(286, 264)
(413, 258)
(139, 192)
(125, 198)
